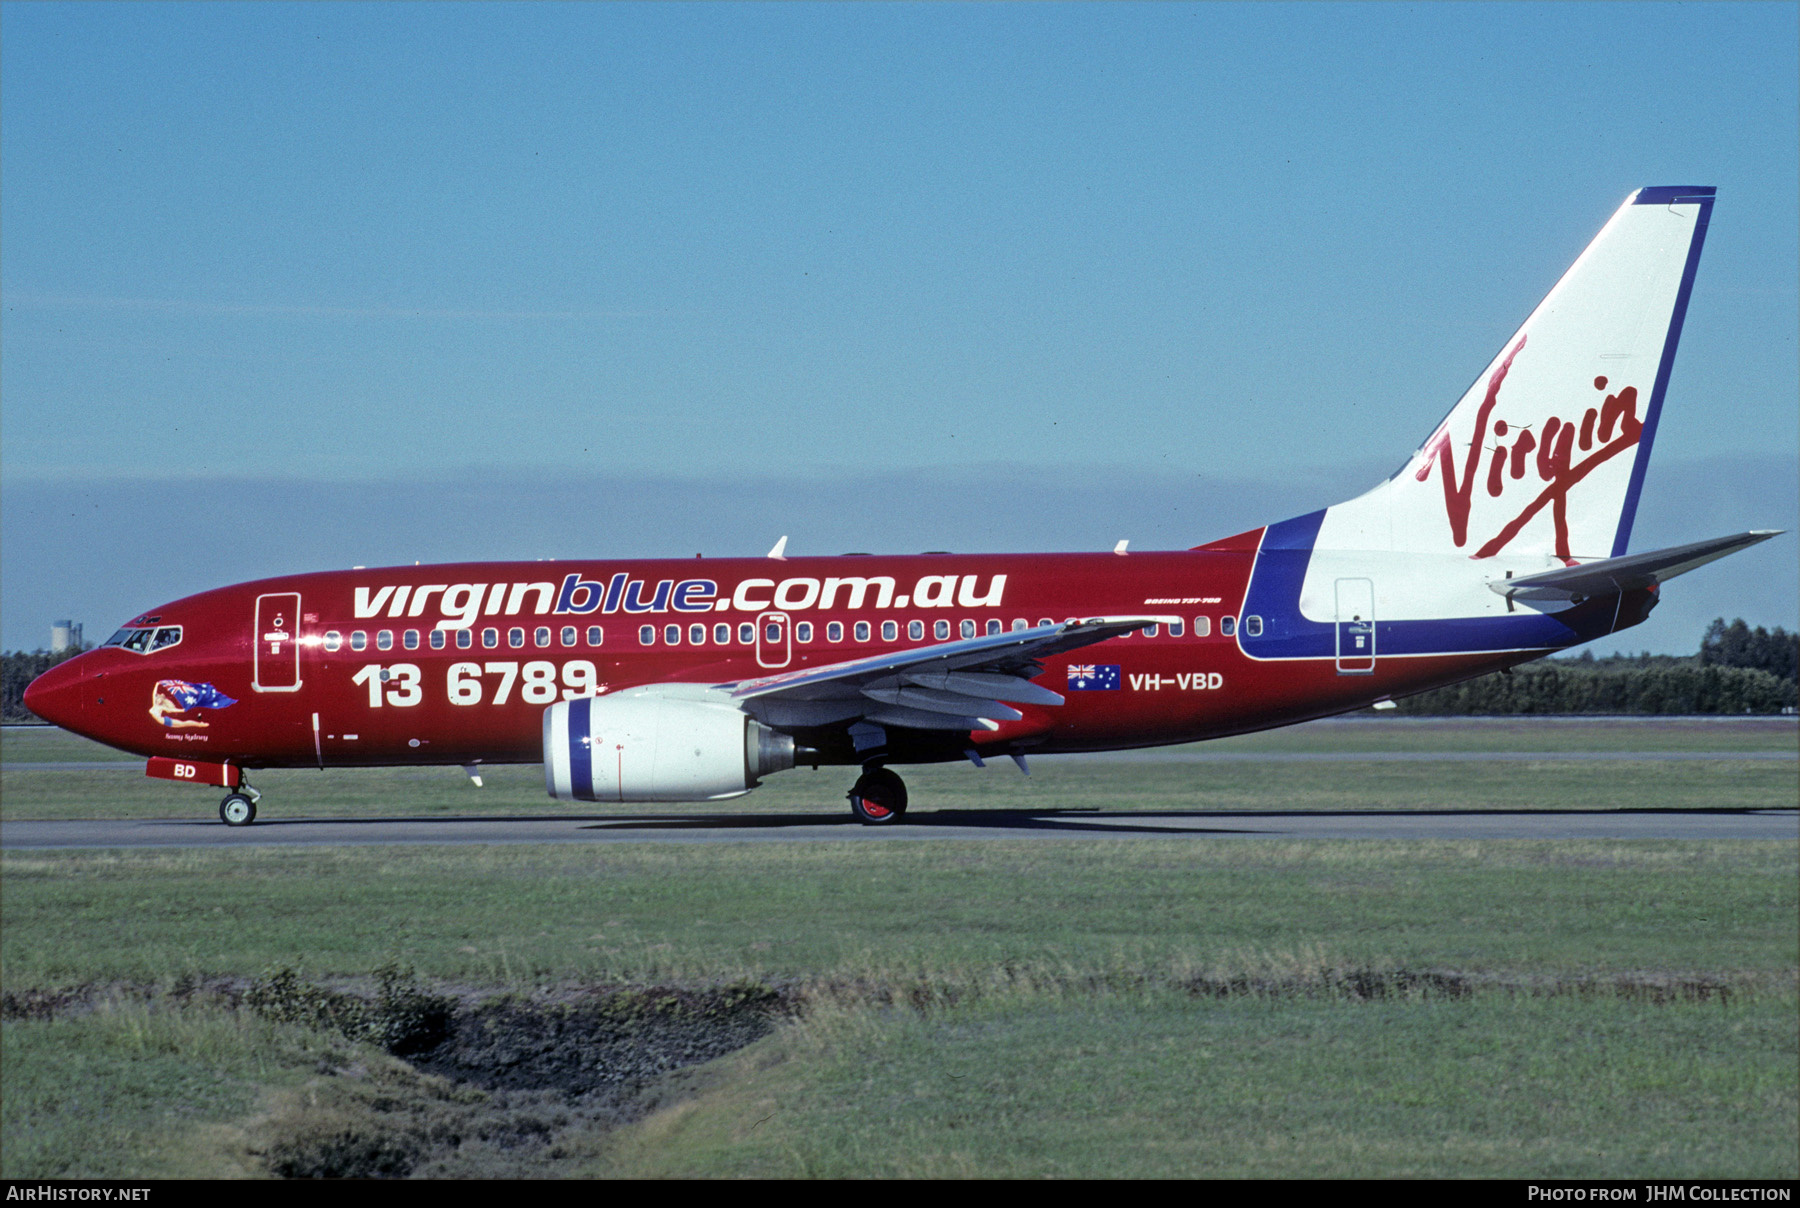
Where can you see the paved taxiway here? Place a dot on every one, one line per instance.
(925, 825)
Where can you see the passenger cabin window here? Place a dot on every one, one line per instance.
(862, 631)
(803, 631)
(1020, 625)
(465, 638)
(333, 640)
(722, 634)
(541, 635)
(834, 632)
(1175, 628)
(696, 635)
(595, 635)
(410, 639)
(359, 640)
(437, 639)
(993, 627)
(647, 635)
(1227, 626)
(915, 631)
(672, 634)
(1253, 626)
(772, 632)
(1202, 626)
(1042, 621)
(890, 631)
(968, 629)
(384, 640)
(490, 638)
(515, 637)
(1151, 631)
(746, 633)
(568, 635)
(941, 630)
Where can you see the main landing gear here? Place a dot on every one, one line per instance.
(878, 798)
(239, 806)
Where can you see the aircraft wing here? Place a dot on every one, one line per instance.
(1628, 573)
(952, 686)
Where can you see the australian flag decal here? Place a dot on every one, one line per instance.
(1089, 677)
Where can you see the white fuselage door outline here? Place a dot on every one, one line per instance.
(1356, 626)
(774, 640)
(276, 662)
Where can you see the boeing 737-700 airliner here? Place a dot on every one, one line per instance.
(1503, 538)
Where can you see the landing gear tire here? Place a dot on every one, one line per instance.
(878, 798)
(237, 810)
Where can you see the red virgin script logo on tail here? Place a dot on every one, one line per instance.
(1613, 426)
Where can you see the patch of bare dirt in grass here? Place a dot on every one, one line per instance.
(508, 1086)
(455, 1083)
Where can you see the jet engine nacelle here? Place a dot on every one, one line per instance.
(663, 742)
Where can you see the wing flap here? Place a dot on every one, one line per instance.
(922, 719)
(976, 683)
(959, 686)
(1004, 652)
(934, 701)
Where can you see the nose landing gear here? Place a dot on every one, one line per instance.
(239, 808)
(878, 798)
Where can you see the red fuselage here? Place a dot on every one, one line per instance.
(455, 664)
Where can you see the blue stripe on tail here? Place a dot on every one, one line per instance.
(1274, 595)
(1666, 195)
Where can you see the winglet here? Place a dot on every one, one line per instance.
(779, 553)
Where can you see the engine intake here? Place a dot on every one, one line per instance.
(663, 742)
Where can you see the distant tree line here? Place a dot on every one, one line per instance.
(1737, 670)
(1738, 645)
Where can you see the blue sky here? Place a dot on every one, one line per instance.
(284, 286)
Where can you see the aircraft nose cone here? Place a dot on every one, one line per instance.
(57, 696)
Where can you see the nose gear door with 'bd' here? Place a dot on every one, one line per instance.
(277, 646)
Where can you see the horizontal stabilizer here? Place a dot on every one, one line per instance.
(1629, 573)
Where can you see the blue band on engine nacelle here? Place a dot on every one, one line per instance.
(581, 753)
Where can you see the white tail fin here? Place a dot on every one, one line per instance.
(1546, 452)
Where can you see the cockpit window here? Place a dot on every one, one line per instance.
(145, 640)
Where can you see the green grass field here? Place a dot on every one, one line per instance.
(1162, 1086)
(1144, 782)
(1145, 1008)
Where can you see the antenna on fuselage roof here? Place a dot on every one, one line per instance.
(779, 553)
